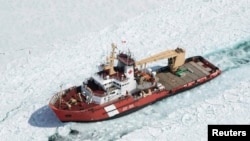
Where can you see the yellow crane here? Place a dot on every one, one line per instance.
(176, 58)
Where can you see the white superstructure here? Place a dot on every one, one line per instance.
(111, 82)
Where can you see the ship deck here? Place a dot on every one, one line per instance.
(196, 70)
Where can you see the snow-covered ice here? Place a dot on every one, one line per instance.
(46, 44)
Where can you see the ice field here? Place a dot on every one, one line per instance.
(46, 44)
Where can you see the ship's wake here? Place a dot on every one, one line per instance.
(231, 58)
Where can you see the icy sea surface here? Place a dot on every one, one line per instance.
(48, 44)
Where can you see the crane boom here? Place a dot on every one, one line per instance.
(176, 58)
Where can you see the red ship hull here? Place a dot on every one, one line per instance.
(126, 104)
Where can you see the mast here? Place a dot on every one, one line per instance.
(111, 60)
(61, 93)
